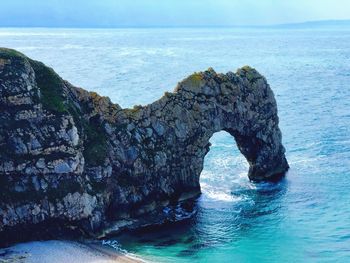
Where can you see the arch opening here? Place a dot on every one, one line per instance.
(224, 168)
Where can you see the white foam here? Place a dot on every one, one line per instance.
(221, 196)
(218, 194)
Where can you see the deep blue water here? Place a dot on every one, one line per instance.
(305, 217)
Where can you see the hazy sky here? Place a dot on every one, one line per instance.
(89, 13)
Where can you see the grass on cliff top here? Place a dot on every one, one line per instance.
(251, 73)
(134, 110)
(195, 79)
(8, 53)
(50, 85)
(53, 99)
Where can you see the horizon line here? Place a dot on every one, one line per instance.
(304, 23)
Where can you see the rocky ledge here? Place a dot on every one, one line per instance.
(71, 160)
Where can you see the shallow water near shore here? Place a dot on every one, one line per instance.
(306, 216)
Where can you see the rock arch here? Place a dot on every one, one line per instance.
(72, 157)
(167, 140)
(241, 104)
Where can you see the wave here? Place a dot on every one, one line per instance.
(115, 245)
(213, 193)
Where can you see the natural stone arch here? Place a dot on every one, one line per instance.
(72, 157)
(241, 104)
(166, 141)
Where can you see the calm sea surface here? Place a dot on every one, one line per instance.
(306, 217)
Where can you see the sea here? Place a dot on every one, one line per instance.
(303, 218)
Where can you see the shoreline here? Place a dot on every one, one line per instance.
(113, 253)
(64, 251)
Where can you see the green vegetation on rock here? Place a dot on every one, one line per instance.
(53, 98)
(195, 79)
(7, 53)
(251, 74)
(95, 147)
(50, 85)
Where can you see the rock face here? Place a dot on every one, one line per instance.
(72, 159)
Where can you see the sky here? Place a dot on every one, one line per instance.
(146, 13)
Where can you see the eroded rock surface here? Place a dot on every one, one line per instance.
(72, 159)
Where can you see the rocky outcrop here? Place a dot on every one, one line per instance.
(71, 159)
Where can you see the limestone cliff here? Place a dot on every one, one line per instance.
(71, 159)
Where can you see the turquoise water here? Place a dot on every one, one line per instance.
(305, 217)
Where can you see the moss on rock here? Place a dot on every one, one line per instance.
(195, 79)
(50, 85)
(95, 146)
(7, 53)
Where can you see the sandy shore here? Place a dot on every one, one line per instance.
(55, 251)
